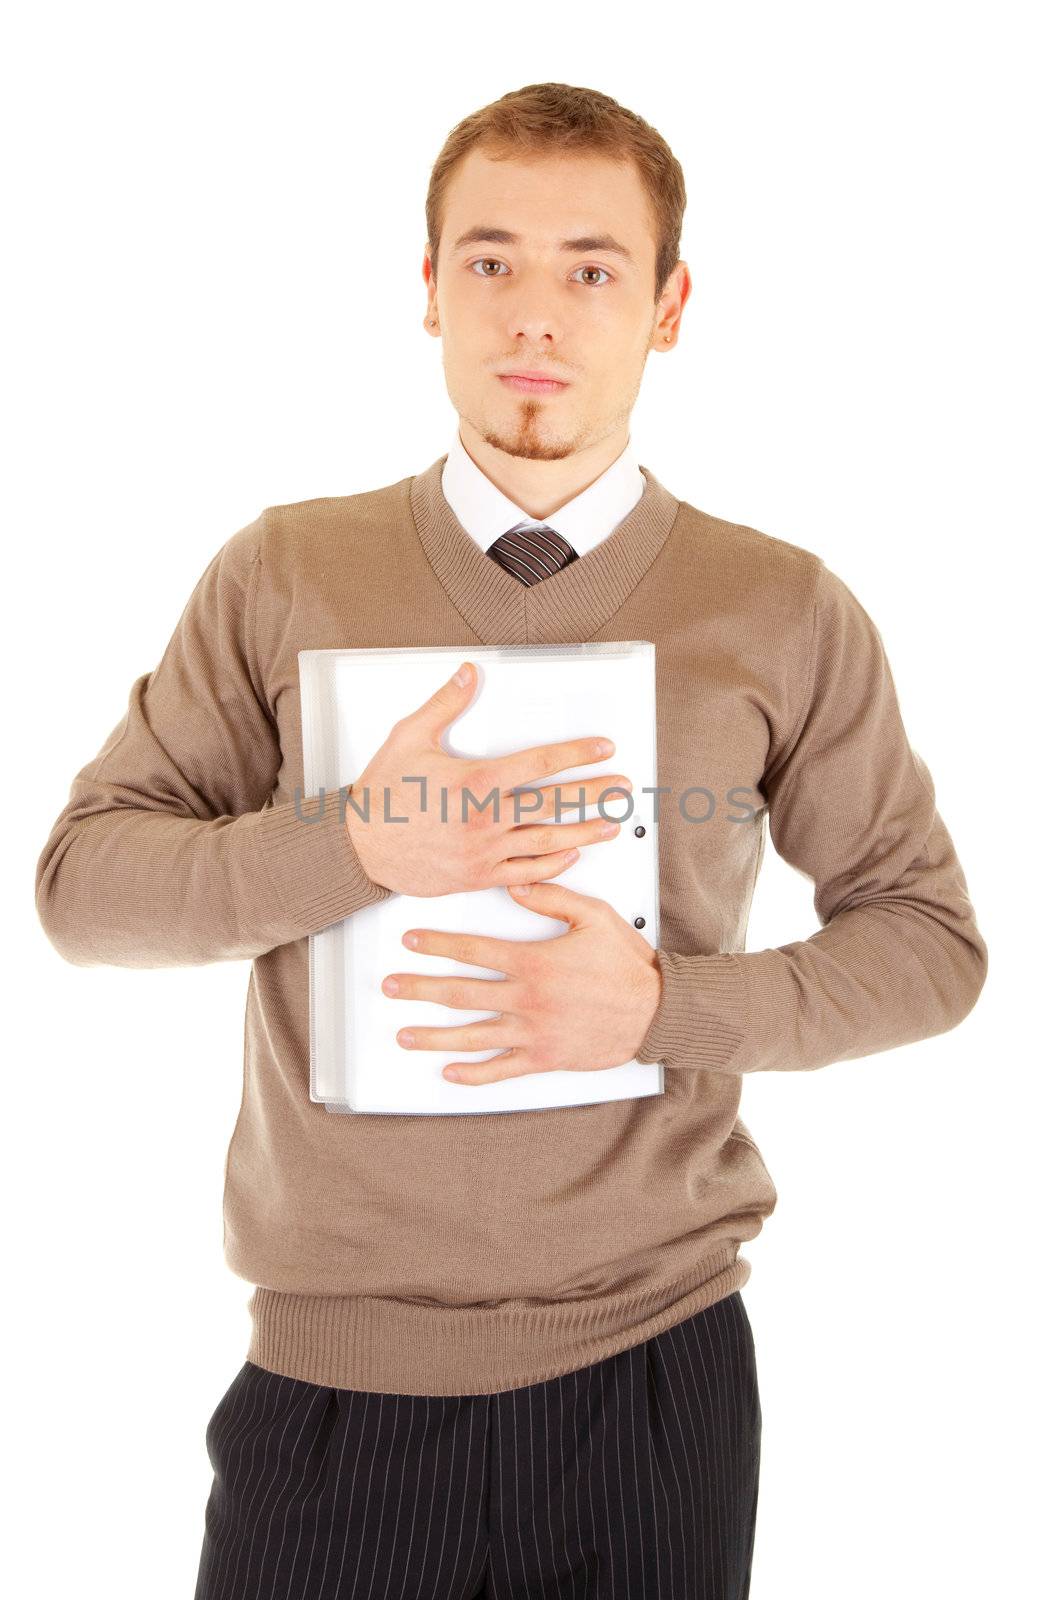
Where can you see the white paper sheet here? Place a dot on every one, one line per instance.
(528, 695)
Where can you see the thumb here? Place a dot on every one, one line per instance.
(448, 702)
(552, 899)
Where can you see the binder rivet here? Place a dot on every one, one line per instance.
(639, 922)
(640, 831)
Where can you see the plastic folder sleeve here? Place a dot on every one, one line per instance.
(168, 852)
(899, 956)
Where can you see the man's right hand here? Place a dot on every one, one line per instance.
(437, 851)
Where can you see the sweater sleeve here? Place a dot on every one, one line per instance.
(850, 805)
(168, 852)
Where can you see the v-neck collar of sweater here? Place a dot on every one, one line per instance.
(567, 608)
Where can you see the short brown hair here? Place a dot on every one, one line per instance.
(546, 117)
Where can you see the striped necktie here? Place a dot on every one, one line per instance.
(532, 553)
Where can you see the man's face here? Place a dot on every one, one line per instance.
(560, 298)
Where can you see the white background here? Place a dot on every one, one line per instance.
(214, 303)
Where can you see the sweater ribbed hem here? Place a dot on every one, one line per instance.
(702, 1015)
(313, 863)
(385, 1346)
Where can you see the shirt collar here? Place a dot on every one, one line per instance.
(485, 512)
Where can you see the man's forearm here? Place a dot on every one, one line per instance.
(880, 974)
(137, 888)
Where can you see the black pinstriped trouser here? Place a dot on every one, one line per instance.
(637, 1476)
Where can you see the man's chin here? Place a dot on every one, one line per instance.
(528, 444)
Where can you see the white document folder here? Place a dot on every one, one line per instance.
(527, 695)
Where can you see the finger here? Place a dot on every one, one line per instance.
(556, 900)
(509, 1064)
(465, 994)
(531, 869)
(446, 703)
(466, 1036)
(548, 800)
(540, 838)
(541, 760)
(478, 950)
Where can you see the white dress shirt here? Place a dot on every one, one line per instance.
(485, 512)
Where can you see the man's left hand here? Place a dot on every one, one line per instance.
(580, 1002)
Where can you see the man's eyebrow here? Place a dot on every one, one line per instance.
(602, 243)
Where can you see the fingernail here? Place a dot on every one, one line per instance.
(605, 746)
(451, 1073)
(391, 986)
(462, 676)
(405, 1038)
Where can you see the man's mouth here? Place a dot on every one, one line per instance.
(532, 383)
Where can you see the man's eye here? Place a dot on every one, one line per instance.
(492, 261)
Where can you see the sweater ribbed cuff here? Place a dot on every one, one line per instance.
(310, 855)
(702, 1015)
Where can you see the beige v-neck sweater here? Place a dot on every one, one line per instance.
(472, 1254)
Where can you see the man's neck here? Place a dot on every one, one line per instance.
(542, 487)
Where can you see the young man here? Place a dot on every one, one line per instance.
(498, 1354)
